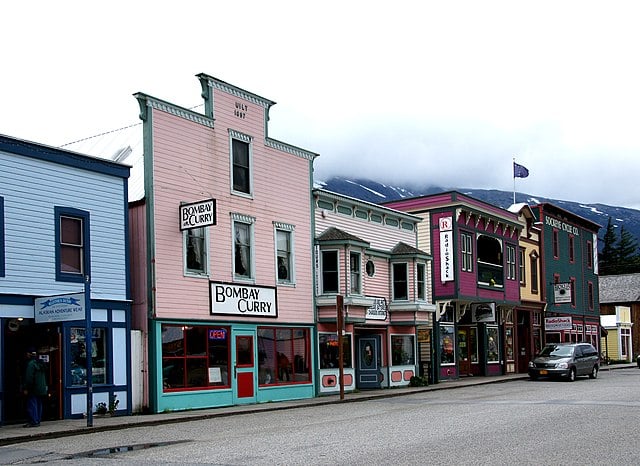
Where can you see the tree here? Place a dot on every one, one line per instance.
(626, 249)
(608, 260)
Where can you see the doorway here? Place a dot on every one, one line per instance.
(18, 336)
(244, 367)
(369, 360)
(467, 350)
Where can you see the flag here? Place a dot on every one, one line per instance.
(519, 171)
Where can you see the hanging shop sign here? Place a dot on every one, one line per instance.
(483, 312)
(59, 308)
(446, 249)
(557, 323)
(243, 300)
(378, 311)
(198, 214)
(562, 293)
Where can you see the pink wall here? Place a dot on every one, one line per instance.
(191, 162)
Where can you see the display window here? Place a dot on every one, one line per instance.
(328, 349)
(402, 350)
(195, 357)
(78, 350)
(284, 355)
(493, 345)
(447, 339)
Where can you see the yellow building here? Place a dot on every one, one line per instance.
(617, 345)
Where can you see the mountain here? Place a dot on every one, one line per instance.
(375, 192)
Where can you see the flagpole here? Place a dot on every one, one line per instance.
(514, 179)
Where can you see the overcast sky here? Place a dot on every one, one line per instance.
(428, 92)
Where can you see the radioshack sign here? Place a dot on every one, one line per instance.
(198, 214)
(557, 323)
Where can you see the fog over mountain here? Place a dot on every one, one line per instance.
(376, 192)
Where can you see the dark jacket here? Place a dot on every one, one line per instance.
(35, 380)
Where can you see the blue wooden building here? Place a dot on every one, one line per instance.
(63, 237)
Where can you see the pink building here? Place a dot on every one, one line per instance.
(222, 255)
(368, 255)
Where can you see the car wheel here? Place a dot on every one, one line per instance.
(572, 374)
(594, 372)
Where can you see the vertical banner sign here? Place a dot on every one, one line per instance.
(446, 249)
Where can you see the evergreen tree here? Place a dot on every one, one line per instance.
(608, 260)
(627, 253)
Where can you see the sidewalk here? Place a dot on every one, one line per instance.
(11, 434)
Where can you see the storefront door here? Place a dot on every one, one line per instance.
(467, 349)
(17, 336)
(369, 358)
(244, 367)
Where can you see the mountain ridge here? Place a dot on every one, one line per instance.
(377, 192)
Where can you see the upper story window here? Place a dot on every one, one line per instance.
(240, 162)
(355, 273)
(2, 265)
(284, 253)
(572, 253)
(511, 262)
(591, 297)
(400, 282)
(195, 247)
(243, 247)
(556, 244)
(329, 266)
(466, 249)
(573, 292)
(533, 257)
(421, 278)
(490, 267)
(523, 280)
(72, 244)
(589, 254)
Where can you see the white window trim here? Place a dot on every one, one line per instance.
(279, 226)
(247, 220)
(233, 134)
(418, 297)
(190, 273)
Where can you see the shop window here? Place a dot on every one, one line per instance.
(329, 267)
(195, 357)
(329, 351)
(354, 273)
(283, 355)
(490, 268)
(284, 246)
(402, 350)
(78, 350)
(493, 345)
(400, 283)
(243, 250)
(521, 265)
(241, 163)
(447, 338)
(195, 247)
(466, 250)
(72, 244)
(421, 271)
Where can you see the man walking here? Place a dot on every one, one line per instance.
(35, 388)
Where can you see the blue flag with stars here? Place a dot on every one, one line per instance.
(519, 171)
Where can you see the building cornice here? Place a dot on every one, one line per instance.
(146, 102)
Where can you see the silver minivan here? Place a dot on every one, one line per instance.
(565, 360)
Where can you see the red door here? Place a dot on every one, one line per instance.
(244, 387)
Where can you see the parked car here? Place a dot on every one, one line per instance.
(565, 360)
(638, 361)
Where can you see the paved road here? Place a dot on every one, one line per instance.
(520, 422)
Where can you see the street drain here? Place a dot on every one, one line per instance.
(124, 449)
